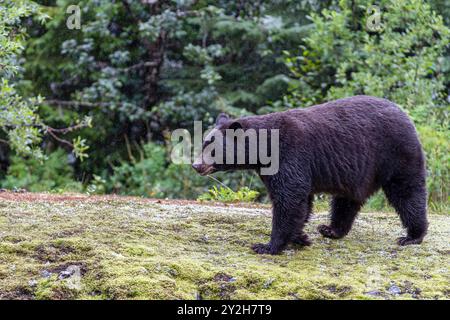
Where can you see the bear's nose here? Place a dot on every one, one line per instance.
(196, 166)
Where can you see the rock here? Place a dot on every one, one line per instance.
(143, 270)
(117, 255)
(395, 290)
(64, 275)
(373, 293)
(46, 274)
(32, 283)
(268, 283)
(294, 295)
(68, 272)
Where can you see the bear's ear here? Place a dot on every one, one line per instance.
(221, 119)
(235, 125)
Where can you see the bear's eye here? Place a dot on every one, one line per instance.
(207, 142)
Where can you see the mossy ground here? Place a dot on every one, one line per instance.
(131, 249)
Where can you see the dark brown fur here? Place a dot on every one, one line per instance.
(348, 148)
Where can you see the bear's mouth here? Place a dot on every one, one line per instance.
(204, 170)
(207, 170)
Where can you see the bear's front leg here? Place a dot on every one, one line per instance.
(287, 222)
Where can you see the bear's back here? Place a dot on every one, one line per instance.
(351, 144)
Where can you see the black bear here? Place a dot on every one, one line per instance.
(348, 148)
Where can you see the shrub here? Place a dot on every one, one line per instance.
(400, 61)
(437, 150)
(225, 194)
(153, 176)
(141, 177)
(52, 174)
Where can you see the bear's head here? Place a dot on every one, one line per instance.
(222, 147)
(235, 144)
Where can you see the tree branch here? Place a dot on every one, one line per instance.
(140, 65)
(53, 131)
(66, 130)
(76, 103)
(63, 141)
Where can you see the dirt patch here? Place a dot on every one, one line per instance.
(222, 286)
(223, 277)
(63, 267)
(20, 293)
(340, 291)
(52, 253)
(67, 233)
(49, 197)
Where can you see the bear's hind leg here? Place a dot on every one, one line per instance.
(409, 200)
(343, 214)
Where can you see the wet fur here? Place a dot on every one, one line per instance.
(349, 148)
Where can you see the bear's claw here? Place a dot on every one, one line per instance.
(404, 241)
(261, 248)
(328, 232)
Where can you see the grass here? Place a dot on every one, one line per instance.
(114, 248)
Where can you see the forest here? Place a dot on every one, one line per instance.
(91, 90)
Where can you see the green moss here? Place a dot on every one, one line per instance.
(130, 249)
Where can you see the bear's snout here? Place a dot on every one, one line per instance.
(203, 169)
